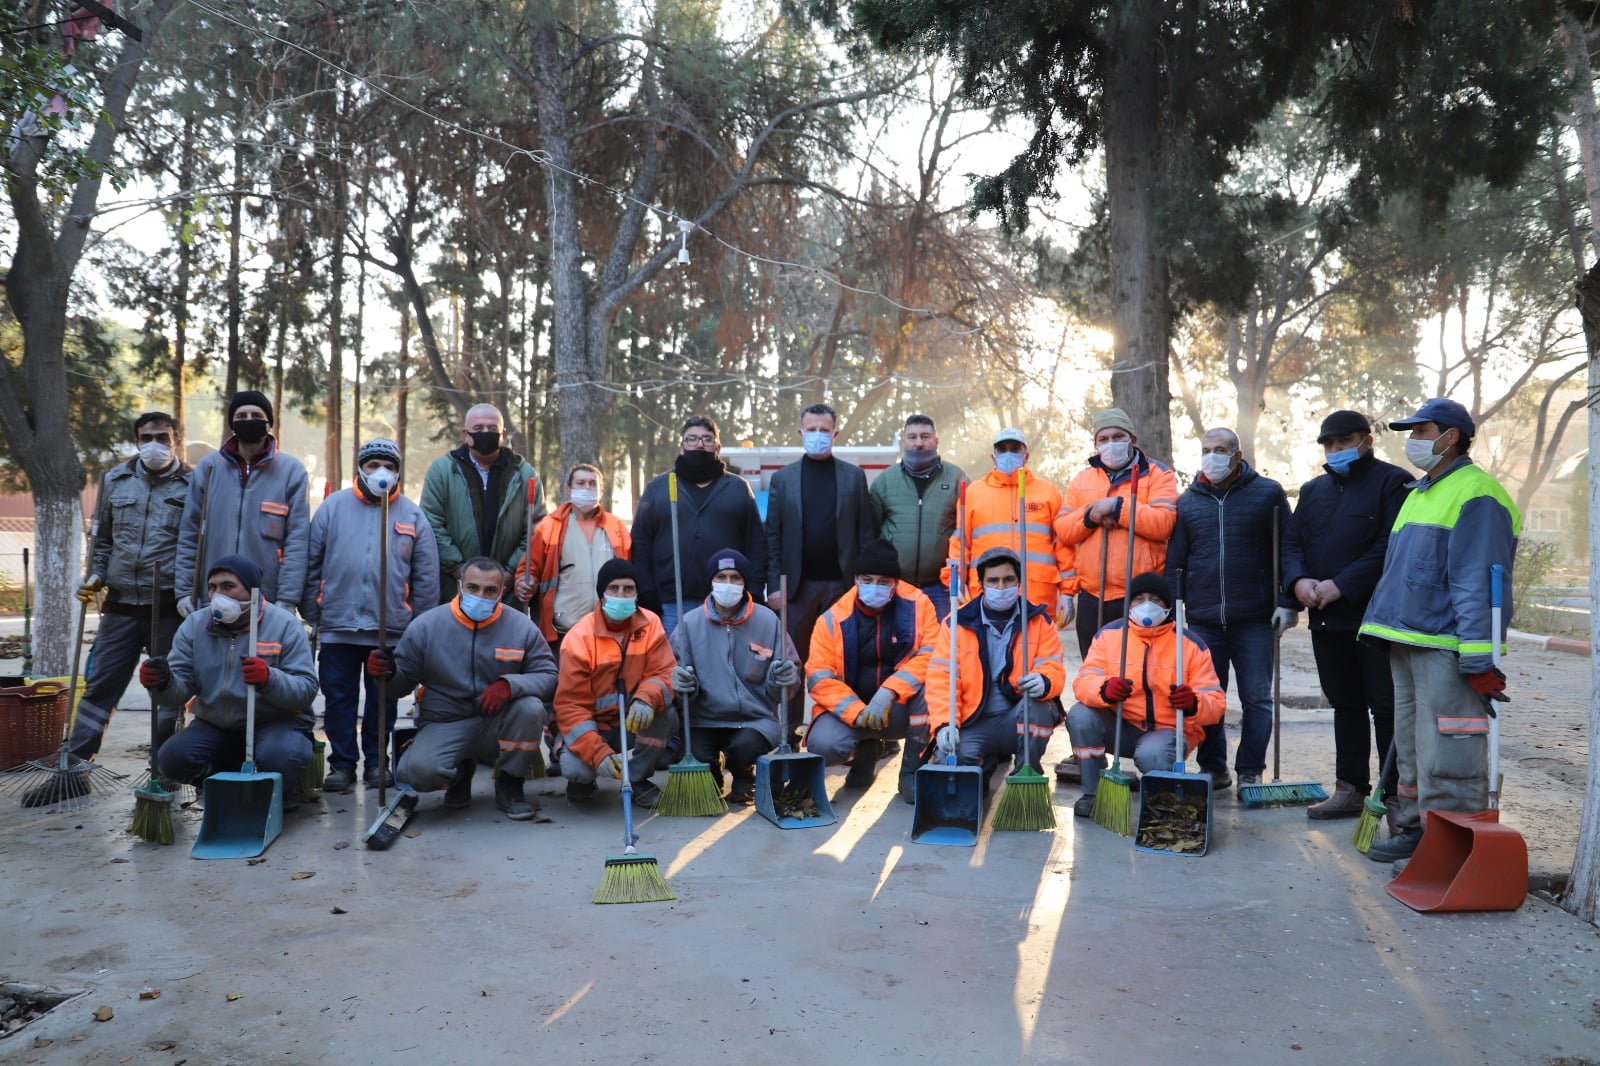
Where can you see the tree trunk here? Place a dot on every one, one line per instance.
(401, 421)
(180, 313)
(333, 403)
(1140, 308)
(235, 295)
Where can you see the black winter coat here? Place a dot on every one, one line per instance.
(1223, 544)
(729, 519)
(1340, 531)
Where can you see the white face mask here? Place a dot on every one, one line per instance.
(726, 593)
(1115, 453)
(379, 480)
(585, 499)
(1147, 614)
(818, 443)
(1420, 454)
(155, 455)
(1214, 466)
(226, 609)
(1001, 600)
(874, 596)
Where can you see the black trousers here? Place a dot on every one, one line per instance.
(740, 746)
(1089, 611)
(1356, 680)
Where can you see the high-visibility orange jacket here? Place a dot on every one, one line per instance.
(973, 669)
(592, 656)
(912, 627)
(990, 521)
(1157, 514)
(544, 562)
(1153, 669)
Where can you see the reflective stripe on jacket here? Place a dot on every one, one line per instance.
(452, 659)
(1156, 514)
(549, 537)
(990, 522)
(1153, 669)
(591, 661)
(914, 626)
(972, 666)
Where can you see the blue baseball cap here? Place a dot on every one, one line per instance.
(1446, 414)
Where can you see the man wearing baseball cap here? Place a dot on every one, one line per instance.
(990, 520)
(1432, 605)
(1333, 553)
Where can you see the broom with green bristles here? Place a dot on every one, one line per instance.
(152, 803)
(631, 877)
(691, 790)
(1113, 807)
(1373, 808)
(1024, 804)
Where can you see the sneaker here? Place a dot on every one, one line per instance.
(1346, 802)
(864, 767)
(369, 777)
(509, 797)
(646, 793)
(1083, 807)
(459, 795)
(580, 791)
(339, 779)
(743, 789)
(1396, 847)
(1220, 781)
(1249, 779)
(56, 788)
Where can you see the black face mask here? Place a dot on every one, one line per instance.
(698, 467)
(251, 430)
(485, 441)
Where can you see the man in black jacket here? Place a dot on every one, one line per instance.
(1333, 554)
(1223, 545)
(716, 509)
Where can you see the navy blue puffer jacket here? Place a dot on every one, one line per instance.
(1223, 543)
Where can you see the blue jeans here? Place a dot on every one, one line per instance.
(669, 615)
(342, 670)
(1246, 647)
(283, 746)
(940, 597)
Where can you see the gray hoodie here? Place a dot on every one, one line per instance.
(342, 572)
(205, 662)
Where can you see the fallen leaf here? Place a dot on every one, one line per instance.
(150, 993)
(42, 1041)
(413, 833)
(256, 862)
(119, 859)
(162, 1045)
(341, 845)
(234, 997)
(301, 875)
(338, 910)
(104, 1013)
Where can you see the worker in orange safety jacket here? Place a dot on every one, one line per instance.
(558, 572)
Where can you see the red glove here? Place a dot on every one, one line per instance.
(491, 699)
(1116, 689)
(1490, 683)
(1184, 699)
(155, 675)
(380, 663)
(255, 670)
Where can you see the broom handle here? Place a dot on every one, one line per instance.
(1127, 602)
(383, 645)
(1100, 600)
(677, 589)
(155, 650)
(960, 576)
(627, 779)
(1180, 753)
(1496, 573)
(783, 627)
(950, 757)
(77, 642)
(250, 691)
(1277, 652)
(1022, 618)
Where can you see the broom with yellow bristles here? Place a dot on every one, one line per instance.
(1024, 804)
(631, 877)
(1373, 808)
(1112, 801)
(152, 803)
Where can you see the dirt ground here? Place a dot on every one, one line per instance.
(476, 936)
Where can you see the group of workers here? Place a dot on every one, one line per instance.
(924, 612)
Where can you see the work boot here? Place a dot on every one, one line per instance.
(508, 796)
(459, 795)
(1396, 847)
(646, 793)
(1220, 781)
(864, 767)
(1247, 779)
(339, 779)
(1083, 807)
(369, 777)
(908, 787)
(1068, 771)
(743, 789)
(580, 791)
(1346, 802)
(888, 749)
(56, 788)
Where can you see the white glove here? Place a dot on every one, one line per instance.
(684, 683)
(610, 766)
(185, 605)
(1284, 618)
(949, 739)
(1034, 685)
(1066, 611)
(640, 715)
(875, 715)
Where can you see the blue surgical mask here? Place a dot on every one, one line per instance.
(619, 608)
(1009, 462)
(874, 596)
(476, 607)
(818, 443)
(1340, 462)
(1001, 601)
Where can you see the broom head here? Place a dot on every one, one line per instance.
(152, 814)
(1282, 794)
(1366, 831)
(691, 792)
(633, 878)
(1112, 807)
(1024, 805)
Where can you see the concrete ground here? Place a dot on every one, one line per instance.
(476, 936)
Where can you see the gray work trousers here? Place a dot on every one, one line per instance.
(1441, 738)
(1090, 729)
(995, 733)
(836, 742)
(121, 639)
(508, 740)
(648, 754)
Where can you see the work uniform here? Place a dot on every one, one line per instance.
(476, 511)
(1149, 721)
(205, 664)
(855, 652)
(343, 605)
(733, 712)
(917, 514)
(1100, 594)
(136, 525)
(1433, 605)
(257, 509)
(989, 711)
(990, 521)
(565, 565)
(453, 659)
(596, 661)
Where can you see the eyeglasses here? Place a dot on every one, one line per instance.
(699, 442)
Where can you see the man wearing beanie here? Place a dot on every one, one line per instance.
(1093, 520)
(616, 653)
(866, 672)
(486, 678)
(1147, 693)
(342, 574)
(249, 499)
(734, 663)
(212, 663)
(1332, 557)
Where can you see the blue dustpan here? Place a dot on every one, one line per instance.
(949, 805)
(784, 771)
